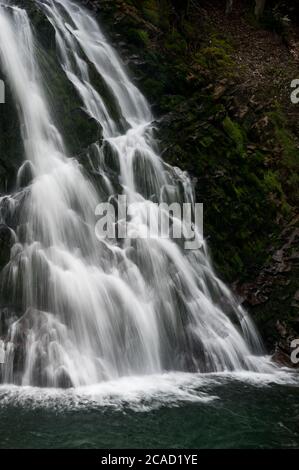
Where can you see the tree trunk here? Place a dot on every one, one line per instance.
(259, 7)
(229, 6)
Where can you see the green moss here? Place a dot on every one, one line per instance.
(153, 88)
(175, 43)
(290, 150)
(216, 56)
(139, 37)
(285, 138)
(289, 165)
(151, 12)
(234, 132)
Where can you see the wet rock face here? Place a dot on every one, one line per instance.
(11, 149)
(7, 317)
(34, 333)
(78, 129)
(6, 242)
(273, 297)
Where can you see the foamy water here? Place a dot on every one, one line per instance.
(142, 393)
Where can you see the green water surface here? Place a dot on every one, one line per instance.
(240, 415)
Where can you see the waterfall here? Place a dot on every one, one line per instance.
(92, 310)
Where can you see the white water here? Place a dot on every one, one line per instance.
(143, 393)
(95, 311)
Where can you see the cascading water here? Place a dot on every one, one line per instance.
(95, 310)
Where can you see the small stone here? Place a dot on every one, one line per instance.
(281, 328)
(219, 91)
(296, 296)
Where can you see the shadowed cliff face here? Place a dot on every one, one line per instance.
(219, 88)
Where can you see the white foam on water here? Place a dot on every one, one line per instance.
(142, 393)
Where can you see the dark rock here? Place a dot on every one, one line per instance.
(62, 378)
(219, 91)
(25, 174)
(6, 241)
(273, 297)
(282, 359)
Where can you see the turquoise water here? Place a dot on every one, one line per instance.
(171, 411)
